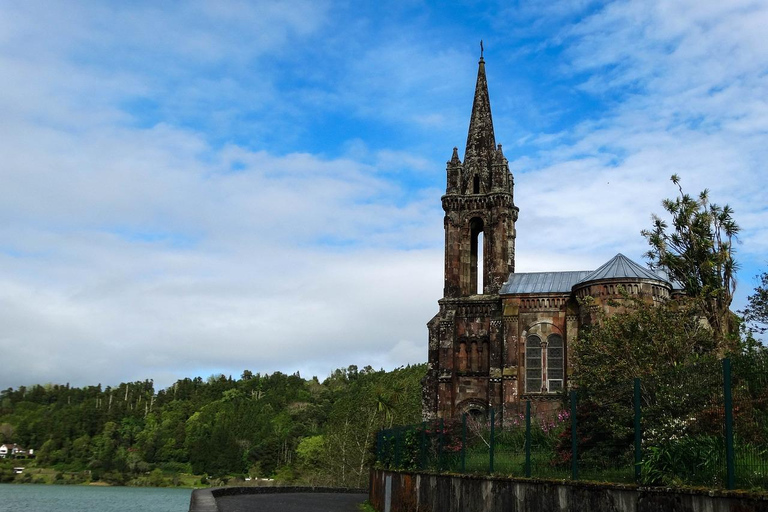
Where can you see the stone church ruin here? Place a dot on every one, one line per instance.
(508, 339)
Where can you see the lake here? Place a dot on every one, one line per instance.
(83, 498)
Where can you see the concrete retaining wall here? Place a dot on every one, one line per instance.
(414, 492)
(204, 500)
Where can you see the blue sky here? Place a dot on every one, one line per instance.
(204, 187)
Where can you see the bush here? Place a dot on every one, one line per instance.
(694, 460)
(114, 478)
(157, 479)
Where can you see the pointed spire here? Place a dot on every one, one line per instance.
(499, 153)
(481, 142)
(455, 157)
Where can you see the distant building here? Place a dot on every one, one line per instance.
(508, 340)
(14, 451)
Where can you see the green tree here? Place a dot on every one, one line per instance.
(81, 451)
(674, 355)
(756, 312)
(6, 432)
(310, 450)
(697, 251)
(271, 423)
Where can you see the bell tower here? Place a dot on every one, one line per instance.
(479, 201)
(466, 347)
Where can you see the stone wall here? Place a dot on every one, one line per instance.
(204, 500)
(413, 492)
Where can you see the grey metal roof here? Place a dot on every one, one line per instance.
(621, 267)
(543, 282)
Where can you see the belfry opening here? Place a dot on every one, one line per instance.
(477, 275)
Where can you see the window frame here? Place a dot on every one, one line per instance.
(547, 353)
(557, 339)
(529, 358)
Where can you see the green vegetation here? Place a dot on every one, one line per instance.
(682, 434)
(220, 429)
(674, 355)
(756, 312)
(366, 507)
(697, 251)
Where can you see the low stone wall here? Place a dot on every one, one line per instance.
(204, 500)
(392, 491)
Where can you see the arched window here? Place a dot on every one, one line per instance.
(555, 367)
(476, 184)
(544, 364)
(476, 270)
(480, 263)
(476, 413)
(533, 366)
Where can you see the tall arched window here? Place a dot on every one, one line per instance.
(555, 367)
(544, 364)
(533, 366)
(480, 264)
(476, 256)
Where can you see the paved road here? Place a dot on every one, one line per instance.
(292, 502)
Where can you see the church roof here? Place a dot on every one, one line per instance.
(621, 267)
(543, 282)
(618, 267)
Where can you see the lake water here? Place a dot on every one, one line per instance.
(82, 498)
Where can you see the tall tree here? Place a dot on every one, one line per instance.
(697, 251)
(756, 312)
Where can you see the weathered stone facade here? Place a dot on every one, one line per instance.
(509, 341)
(467, 338)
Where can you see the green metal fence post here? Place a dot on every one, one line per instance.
(728, 399)
(463, 442)
(493, 441)
(528, 439)
(397, 448)
(440, 436)
(384, 449)
(638, 432)
(574, 440)
(423, 446)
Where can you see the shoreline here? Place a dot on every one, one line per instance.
(151, 479)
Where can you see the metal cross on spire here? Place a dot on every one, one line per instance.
(481, 48)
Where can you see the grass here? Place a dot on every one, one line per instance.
(366, 507)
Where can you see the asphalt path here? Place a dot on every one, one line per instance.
(292, 502)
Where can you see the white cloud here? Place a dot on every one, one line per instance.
(146, 231)
(686, 86)
(133, 254)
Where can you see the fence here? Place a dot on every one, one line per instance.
(702, 425)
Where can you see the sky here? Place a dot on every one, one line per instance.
(195, 188)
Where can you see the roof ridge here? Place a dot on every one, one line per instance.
(622, 267)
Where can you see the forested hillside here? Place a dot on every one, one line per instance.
(277, 425)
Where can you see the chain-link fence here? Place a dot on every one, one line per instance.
(700, 425)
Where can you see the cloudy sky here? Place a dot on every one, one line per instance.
(191, 188)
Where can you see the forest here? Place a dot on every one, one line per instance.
(275, 426)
